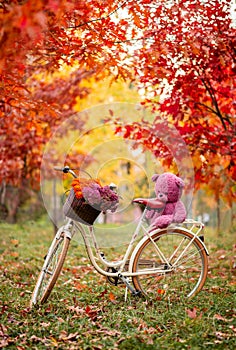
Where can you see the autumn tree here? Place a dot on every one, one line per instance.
(38, 39)
(186, 66)
(181, 53)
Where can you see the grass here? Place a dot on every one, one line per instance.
(85, 312)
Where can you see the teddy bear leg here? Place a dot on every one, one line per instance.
(163, 221)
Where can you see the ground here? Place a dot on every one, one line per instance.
(84, 312)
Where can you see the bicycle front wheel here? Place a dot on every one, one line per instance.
(176, 263)
(51, 269)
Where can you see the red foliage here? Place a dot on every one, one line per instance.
(187, 67)
(39, 37)
(184, 51)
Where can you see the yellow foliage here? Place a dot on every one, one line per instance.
(106, 91)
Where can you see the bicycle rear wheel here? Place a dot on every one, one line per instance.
(179, 262)
(51, 269)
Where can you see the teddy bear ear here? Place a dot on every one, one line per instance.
(179, 182)
(155, 177)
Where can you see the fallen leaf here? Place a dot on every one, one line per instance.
(102, 293)
(193, 313)
(221, 335)
(161, 291)
(221, 318)
(80, 286)
(54, 341)
(76, 309)
(14, 254)
(15, 242)
(112, 298)
(91, 313)
(45, 324)
(64, 336)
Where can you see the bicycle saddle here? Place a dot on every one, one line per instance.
(152, 203)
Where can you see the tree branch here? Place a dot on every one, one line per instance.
(214, 101)
(207, 107)
(101, 18)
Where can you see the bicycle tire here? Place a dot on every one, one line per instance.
(172, 283)
(51, 270)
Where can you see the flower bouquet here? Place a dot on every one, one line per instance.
(87, 199)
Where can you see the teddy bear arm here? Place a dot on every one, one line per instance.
(152, 215)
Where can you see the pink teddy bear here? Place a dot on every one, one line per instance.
(168, 189)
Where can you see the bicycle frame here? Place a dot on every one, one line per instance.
(90, 242)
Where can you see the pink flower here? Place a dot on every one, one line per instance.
(103, 198)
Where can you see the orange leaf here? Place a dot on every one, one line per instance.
(15, 242)
(161, 291)
(112, 298)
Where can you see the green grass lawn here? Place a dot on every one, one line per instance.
(85, 312)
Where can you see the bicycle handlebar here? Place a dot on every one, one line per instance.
(66, 169)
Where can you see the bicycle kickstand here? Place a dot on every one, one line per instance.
(133, 291)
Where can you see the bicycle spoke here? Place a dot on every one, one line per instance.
(184, 267)
(51, 270)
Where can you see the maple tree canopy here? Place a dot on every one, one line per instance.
(180, 53)
(187, 67)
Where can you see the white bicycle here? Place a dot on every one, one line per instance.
(165, 263)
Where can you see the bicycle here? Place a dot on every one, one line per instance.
(170, 263)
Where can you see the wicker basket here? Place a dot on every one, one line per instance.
(79, 210)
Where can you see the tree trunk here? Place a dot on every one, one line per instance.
(232, 219)
(14, 198)
(218, 216)
(12, 201)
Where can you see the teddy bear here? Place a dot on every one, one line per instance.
(168, 189)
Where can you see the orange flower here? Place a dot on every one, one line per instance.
(80, 183)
